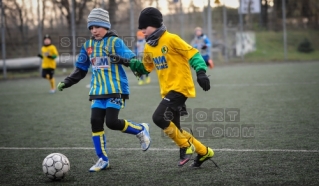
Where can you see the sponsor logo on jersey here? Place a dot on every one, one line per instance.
(99, 62)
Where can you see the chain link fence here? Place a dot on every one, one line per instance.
(255, 35)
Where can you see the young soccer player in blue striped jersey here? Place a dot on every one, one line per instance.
(109, 85)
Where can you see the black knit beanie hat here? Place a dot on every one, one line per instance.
(150, 17)
(46, 36)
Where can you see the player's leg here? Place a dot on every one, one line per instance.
(200, 148)
(203, 152)
(48, 74)
(163, 117)
(44, 73)
(52, 80)
(176, 117)
(98, 136)
(182, 110)
(176, 121)
(141, 130)
(141, 80)
(147, 79)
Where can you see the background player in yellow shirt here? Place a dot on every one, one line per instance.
(172, 58)
(48, 55)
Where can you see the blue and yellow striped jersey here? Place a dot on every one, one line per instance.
(107, 78)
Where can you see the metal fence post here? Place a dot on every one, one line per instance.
(241, 29)
(39, 36)
(73, 31)
(284, 27)
(209, 28)
(225, 32)
(132, 18)
(4, 66)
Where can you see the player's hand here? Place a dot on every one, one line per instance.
(40, 56)
(60, 86)
(203, 80)
(116, 59)
(204, 47)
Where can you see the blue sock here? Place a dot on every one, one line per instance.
(99, 142)
(132, 128)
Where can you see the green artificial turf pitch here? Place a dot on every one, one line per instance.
(278, 102)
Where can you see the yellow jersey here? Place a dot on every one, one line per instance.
(46, 51)
(171, 58)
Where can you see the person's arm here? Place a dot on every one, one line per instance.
(197, 63)
(82, 66)
(135, 64)
(207, 42)
(139, 67)
(74, 77)
(126, 57)
(54, 53)
(40, 55)
(195, 60)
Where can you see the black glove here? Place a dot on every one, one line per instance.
(50, 57)
(119, 60)
(204, 47)
(40, 56)
(203, 80)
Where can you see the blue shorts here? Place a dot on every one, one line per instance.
(117, 103)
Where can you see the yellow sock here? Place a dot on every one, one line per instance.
(175, 134)
(52, 83)
(199, 147)
(131, 127)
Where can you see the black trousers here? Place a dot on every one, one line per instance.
(108, 116)
(169, 110)
(49, 71)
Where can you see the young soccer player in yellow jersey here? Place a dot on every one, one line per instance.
(172, 58)
(48, 55)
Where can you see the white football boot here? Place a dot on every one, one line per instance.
(144, 137)
(100, 165)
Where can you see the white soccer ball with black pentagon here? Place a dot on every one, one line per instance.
(55, 166)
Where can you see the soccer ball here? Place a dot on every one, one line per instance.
(55, 166)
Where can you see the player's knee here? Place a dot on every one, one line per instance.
(156, 118)
(159, 120)
(113, 123)
(97, 124)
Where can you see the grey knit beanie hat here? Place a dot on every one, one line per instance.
(99, 17)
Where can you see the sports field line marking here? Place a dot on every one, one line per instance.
(154, 149)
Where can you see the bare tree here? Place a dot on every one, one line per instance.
(64, 6)
(16, 15)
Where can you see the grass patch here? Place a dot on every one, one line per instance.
(279, 100)
(18, 74)
(270, 46)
